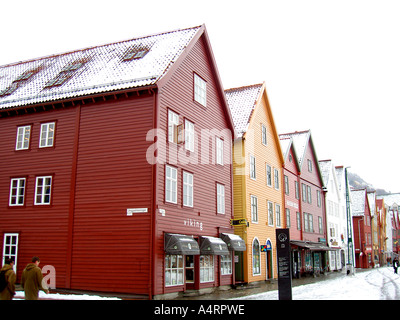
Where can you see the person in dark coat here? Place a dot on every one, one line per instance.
(9, 291)
(32, 280)
(395, 265)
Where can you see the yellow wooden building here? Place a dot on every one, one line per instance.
(257, 182)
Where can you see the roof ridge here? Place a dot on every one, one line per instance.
(244, 87)
(95, 46)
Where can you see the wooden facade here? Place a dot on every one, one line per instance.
(258, 181)
(94, 203)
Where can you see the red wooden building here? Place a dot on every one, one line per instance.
(117, 166)
(304, 203)
(362, 228)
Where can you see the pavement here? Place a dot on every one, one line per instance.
(260, 287)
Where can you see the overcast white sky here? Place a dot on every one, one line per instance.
(329, 66)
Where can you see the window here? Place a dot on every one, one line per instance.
(269, 176)
(220, 151)
(319, 198)
(254, 209)
(170, 184)
(187, 189)
(17, 192)
(303, 192)
(309, 200)
(206, 268)
(200, 91)
(173, 122)
(270, 214)
(65, 74)
(287, 218)
(173, 270)
(134, 54)
(287, 185)
(276, 178)
(306, 225)
(47, 134)
(298, 218)
(220, 198)
(10, 247)
(320, 229)
(23, 138)
(278, 215)
(309, 164)
(310, 223)
(256, 257)
(264, 135)
(189, 136)
(43, 190)
(253, 167)
(226, 264)
(296, 188)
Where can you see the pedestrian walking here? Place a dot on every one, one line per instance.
(395, 265)
(32, 280)
(9, 280)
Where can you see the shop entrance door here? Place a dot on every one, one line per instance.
(189, 272)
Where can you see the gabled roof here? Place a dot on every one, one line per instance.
(301, 139)
(122, 65)
(242, 103)
(328, 171)
(286, 145)
(358, 202)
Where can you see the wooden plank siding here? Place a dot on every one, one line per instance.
(43, 229)
(178, 95)
(245, 187)
(112, 176)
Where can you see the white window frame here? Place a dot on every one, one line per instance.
(173, 122)
(226, 264)
(269, 175)
(220, 198)
(254, 208)
(200, 90)
(188, 182)
(43, 190)
(23, 138)
(278, 216)
(189, 135)
(207, 273)
(47, 134)
(264, 140)
(270, 210)
(276, 179)
(219, 145)
(176, 272)
(10, 248)
(252, 164)
(171, 184)
(19, 188)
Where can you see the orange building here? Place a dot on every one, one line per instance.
(257, 182)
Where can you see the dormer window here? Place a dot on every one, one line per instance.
(65, 74)
(135, 54)
(19, 81)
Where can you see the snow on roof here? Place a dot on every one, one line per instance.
(371, 200)
(325, 167)
(358, 202)
(390, 199)
(300, 140)
(242, 102)
(285, 146)
(101, 69)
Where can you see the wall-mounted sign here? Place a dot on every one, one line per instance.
(131, 211)
(239, 222)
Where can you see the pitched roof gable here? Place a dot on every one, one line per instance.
(122, 65)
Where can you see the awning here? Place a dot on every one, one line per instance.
(312, 246)
(180, 244)
(214, 246)
(233, 241)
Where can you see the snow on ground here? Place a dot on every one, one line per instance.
(373, 284)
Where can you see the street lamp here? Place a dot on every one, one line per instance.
(349, 229)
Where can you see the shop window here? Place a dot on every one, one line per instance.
(173, 270)
(226, 264)
(206, 268)
(256, 257)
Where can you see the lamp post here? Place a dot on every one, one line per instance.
(349, 228)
